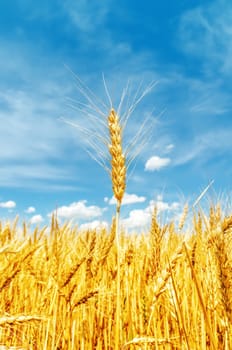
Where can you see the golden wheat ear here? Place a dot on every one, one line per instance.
(118, 161)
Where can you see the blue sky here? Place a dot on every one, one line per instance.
(186, 46)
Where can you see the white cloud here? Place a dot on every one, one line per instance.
(140, 219)
(8, 204)
(78, 210)
(93, 225)
(137, 219)
(36, 219)
(127, 199)
(156, 163)
(164, 206)
(30, 210)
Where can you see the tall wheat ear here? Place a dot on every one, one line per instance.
(105, 126)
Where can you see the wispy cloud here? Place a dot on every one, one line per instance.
(85, 15)
(33, 141)
(205, 146)
(27, 124)
(169, 147)
(206, 34)
(38, 175)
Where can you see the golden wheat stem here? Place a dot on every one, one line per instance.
(118, 290)
(201, 299)
(179, 307)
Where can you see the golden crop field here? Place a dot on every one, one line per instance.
(59, 287)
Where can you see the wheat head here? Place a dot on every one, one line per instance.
(118, 162)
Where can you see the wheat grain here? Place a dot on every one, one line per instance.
(156, 237)
(84, 299)
(19, 319)
(151, 341)
(118, 161)
(166, 274)
(183, 217)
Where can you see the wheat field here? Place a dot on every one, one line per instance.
(58, 286)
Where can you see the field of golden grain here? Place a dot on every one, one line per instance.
(58, 287)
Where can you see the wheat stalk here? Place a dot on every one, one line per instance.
(160, 286)
(161, 282)
(201, 299)
(156, 238)
(222, 248)
(118, 178)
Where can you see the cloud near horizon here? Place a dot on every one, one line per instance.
(36, 219)
(78, 211)
(94, 225)
(140, 219)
